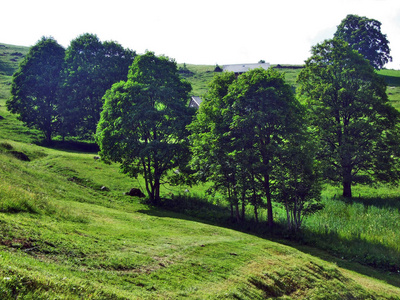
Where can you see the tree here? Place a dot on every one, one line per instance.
(240, 129)
(365, 36)
(210, 145)
(143, 122)
(349, 109)
(299, 184)
(35, 90)
(92, 67)
(265, 113)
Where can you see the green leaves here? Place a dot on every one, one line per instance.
(92, 67)
(35, 90)
(143, 122)
(364, 35)
(240, 131)
(349, 106)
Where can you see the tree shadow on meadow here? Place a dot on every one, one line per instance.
(358, 255)
(391, 80)
(378, 202)
(72, 146)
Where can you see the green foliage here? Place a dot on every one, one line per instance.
(239, 132)
(91, 68)
(355, 124)
(143, 122)
(299, 185)
(364, 35)
(209, 143)
(35, 91)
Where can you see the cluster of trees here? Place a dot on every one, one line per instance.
(59, 91)
(253, 139)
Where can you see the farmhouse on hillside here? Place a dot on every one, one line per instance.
(242, 68)
(195, 102)
(238, 69)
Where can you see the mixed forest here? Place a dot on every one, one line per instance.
(308, 157)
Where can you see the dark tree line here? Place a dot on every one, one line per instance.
(59, 91)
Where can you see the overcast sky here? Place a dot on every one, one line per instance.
(199, 31)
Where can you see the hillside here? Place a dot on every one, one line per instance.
(200, 75)
(62, 235)
(68, 231)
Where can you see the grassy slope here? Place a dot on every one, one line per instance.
(203, 74)
(63, 237)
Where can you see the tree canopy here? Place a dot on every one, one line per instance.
(35, 90)
(240, 132)
(143, 122)
(354, 122)
(92, 67)
(365, 36)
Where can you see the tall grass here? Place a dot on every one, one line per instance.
(364, 233)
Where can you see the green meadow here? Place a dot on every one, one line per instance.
(68, 231)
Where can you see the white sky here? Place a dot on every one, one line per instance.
(199, 31)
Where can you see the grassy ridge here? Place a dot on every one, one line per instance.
(63, 236)
(201, 75)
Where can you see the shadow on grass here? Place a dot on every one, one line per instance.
(385, 202)
(391, 80)
(72, 146)
(373, 260)
(369, 259)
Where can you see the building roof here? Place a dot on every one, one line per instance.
(195, 101)
(242, 68)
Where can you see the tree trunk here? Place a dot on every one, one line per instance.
(267, 190)
(237, 211)
(347, 182)
(230, 201)
(347, 189)
(243, 212)
(157, 190)
(47, 136)
(256, 213)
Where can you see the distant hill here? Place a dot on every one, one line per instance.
(10, 58)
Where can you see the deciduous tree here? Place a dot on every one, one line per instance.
(144, 119)
(240, 129)
(35, 90)
(92, 67)
(265, 112)
(354, 121)
(299, 184)
(365, 36)
(211, 145)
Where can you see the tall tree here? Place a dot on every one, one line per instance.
(365, 36)
(35, 90)
(144, 119)
(92, 67)
(349, 108)
(240, 129)
(211, 145)
(265, 112)
(299, 184)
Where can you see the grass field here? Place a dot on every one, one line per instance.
(68, 231)
(65, 238)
